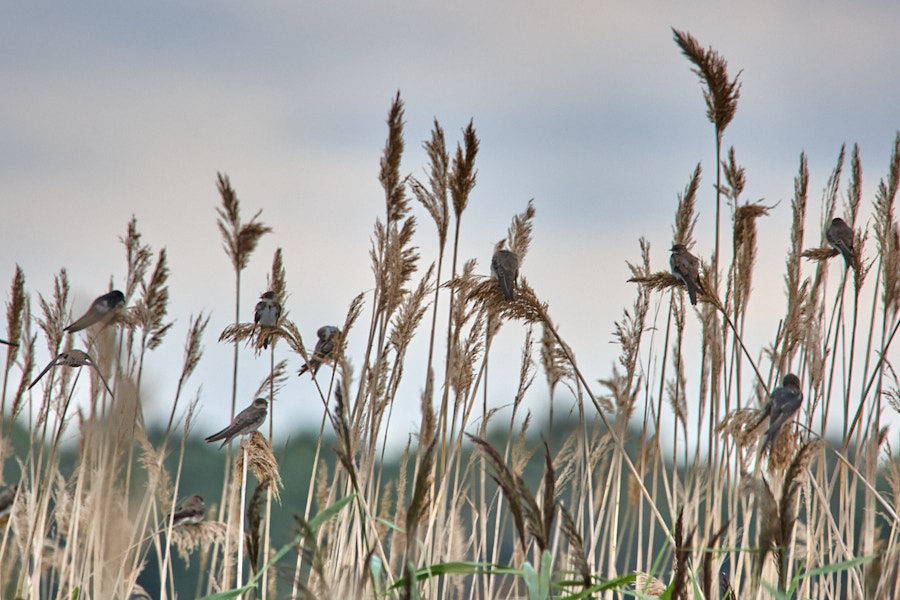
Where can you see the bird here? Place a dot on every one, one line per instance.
(783, 405)
(191, 510)
(505, 267)
(246, 421)
(139, 593)
(686, 268)
(101, 309)
(72, 358)
(329, 335)
(268, 311)
(840, 237)
(6, 500)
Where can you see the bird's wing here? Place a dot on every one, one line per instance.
(221, 434)
(102, 378)
(44, 372)
(785, 404)
(766, 412)
(87, 319)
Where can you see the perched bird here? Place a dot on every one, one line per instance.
(686, 267)
(6, 500)
(101, 309)
(72, 358)
(189, 511)
(268, 311)
(246, 421)
(139, 593)
(329, 335)
(505, 267)
(840, 237)
(783, 405)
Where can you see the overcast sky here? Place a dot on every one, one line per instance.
(114, 109)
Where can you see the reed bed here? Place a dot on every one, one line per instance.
(603, 512)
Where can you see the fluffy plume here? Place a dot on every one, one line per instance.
(720, 93)
(685, 214)
(434, 197)
(462, 175)
(239, 239)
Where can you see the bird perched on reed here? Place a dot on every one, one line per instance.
(268, 311)
(139, 593)
(783, 405)
(191, 510)
(329, 336)
(505, 267)
(840, 237)
(102, 310)
(72, 358)
(686, 268)
(246, 421)
(7, 495)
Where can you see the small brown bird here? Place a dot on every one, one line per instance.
(191, 510)
(686, 267)
(783, 405)
(329, 335)
(246, 421)
(6, 500)
(72, 358)
(101, 309)
(268, 311)
(139, 593)
(505, 267)
(840, 237)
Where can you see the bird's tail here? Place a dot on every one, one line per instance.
(312, 366)
(695, 288)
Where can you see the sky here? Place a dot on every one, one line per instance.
(111, 110)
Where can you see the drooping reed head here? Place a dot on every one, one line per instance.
(745, 247)
(720, 93)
